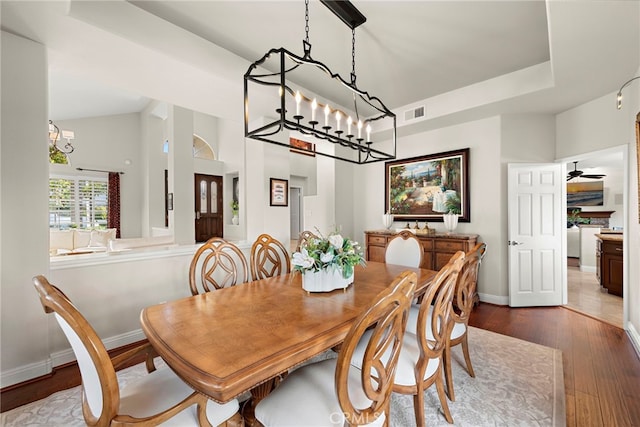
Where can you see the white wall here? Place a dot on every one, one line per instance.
(591, 127)
(596, 126)
(24, 173)
(153, 163)
(106, 143)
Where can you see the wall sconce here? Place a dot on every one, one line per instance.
(619, 98)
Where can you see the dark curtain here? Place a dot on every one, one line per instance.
(113, 220)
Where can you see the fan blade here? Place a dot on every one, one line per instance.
(593, 176)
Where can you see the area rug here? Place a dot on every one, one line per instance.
(517, 383)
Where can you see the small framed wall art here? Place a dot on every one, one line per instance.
(279, 192)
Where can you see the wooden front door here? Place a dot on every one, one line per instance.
(208, 197)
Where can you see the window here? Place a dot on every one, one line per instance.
(78, 202)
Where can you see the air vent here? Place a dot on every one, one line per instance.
(414, 113)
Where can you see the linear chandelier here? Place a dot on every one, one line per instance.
(281, 109)
(54, 137)
(619, 97)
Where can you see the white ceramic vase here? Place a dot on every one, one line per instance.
(325, 280)
(450, 221)
(387, 220)
(235, 220)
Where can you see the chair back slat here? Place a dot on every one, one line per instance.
(215, 265)
(435, 309)
(303, 239)
(385, 322)
(268, 258)
(467, 284)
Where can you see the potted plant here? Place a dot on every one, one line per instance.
(327, 263)
(235, 207)
(574, 218)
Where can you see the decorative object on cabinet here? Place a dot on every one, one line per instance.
(387, 220)
(426, 187)
(438, 247)
(609, 255)
(450, 221)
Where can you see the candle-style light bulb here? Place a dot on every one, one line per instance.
(359, 128)
(327, 110)
(314, 105)
(338, 118)
(368, 133)
(349, 121)
(298, 100)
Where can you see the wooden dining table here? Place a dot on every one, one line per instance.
(226, 342)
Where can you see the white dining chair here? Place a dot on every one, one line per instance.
(420, 364)
(333, 392)
(404, 249)
(158, 398)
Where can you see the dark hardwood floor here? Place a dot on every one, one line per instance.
(601, 368)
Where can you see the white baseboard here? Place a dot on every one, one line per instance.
(494, 299)
(38, 369)
(588, 268)
(634, 336)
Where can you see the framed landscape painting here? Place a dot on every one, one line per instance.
(425, 188)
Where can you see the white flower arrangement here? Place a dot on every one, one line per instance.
(325, 253)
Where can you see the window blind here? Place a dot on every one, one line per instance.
(80, 202)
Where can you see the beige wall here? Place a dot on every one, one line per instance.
(23, 197)
(596, 126)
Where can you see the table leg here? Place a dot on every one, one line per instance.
(257, 394)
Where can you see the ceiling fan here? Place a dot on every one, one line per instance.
(575, 173)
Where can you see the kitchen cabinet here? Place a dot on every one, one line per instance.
(609, 269)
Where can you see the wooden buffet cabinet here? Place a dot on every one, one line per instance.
(438, 248)
(609, 262)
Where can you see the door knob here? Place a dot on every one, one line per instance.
(515, 243)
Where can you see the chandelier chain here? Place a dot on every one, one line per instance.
(353, 55)
(306, 20)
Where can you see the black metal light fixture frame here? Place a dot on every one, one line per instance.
(365, 151)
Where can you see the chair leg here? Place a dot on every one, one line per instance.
(443, 398)
(467, 359)
(448, 374)
(418, 406)
(235, 421)
(201, 409)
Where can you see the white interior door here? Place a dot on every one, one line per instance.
(536, 234)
